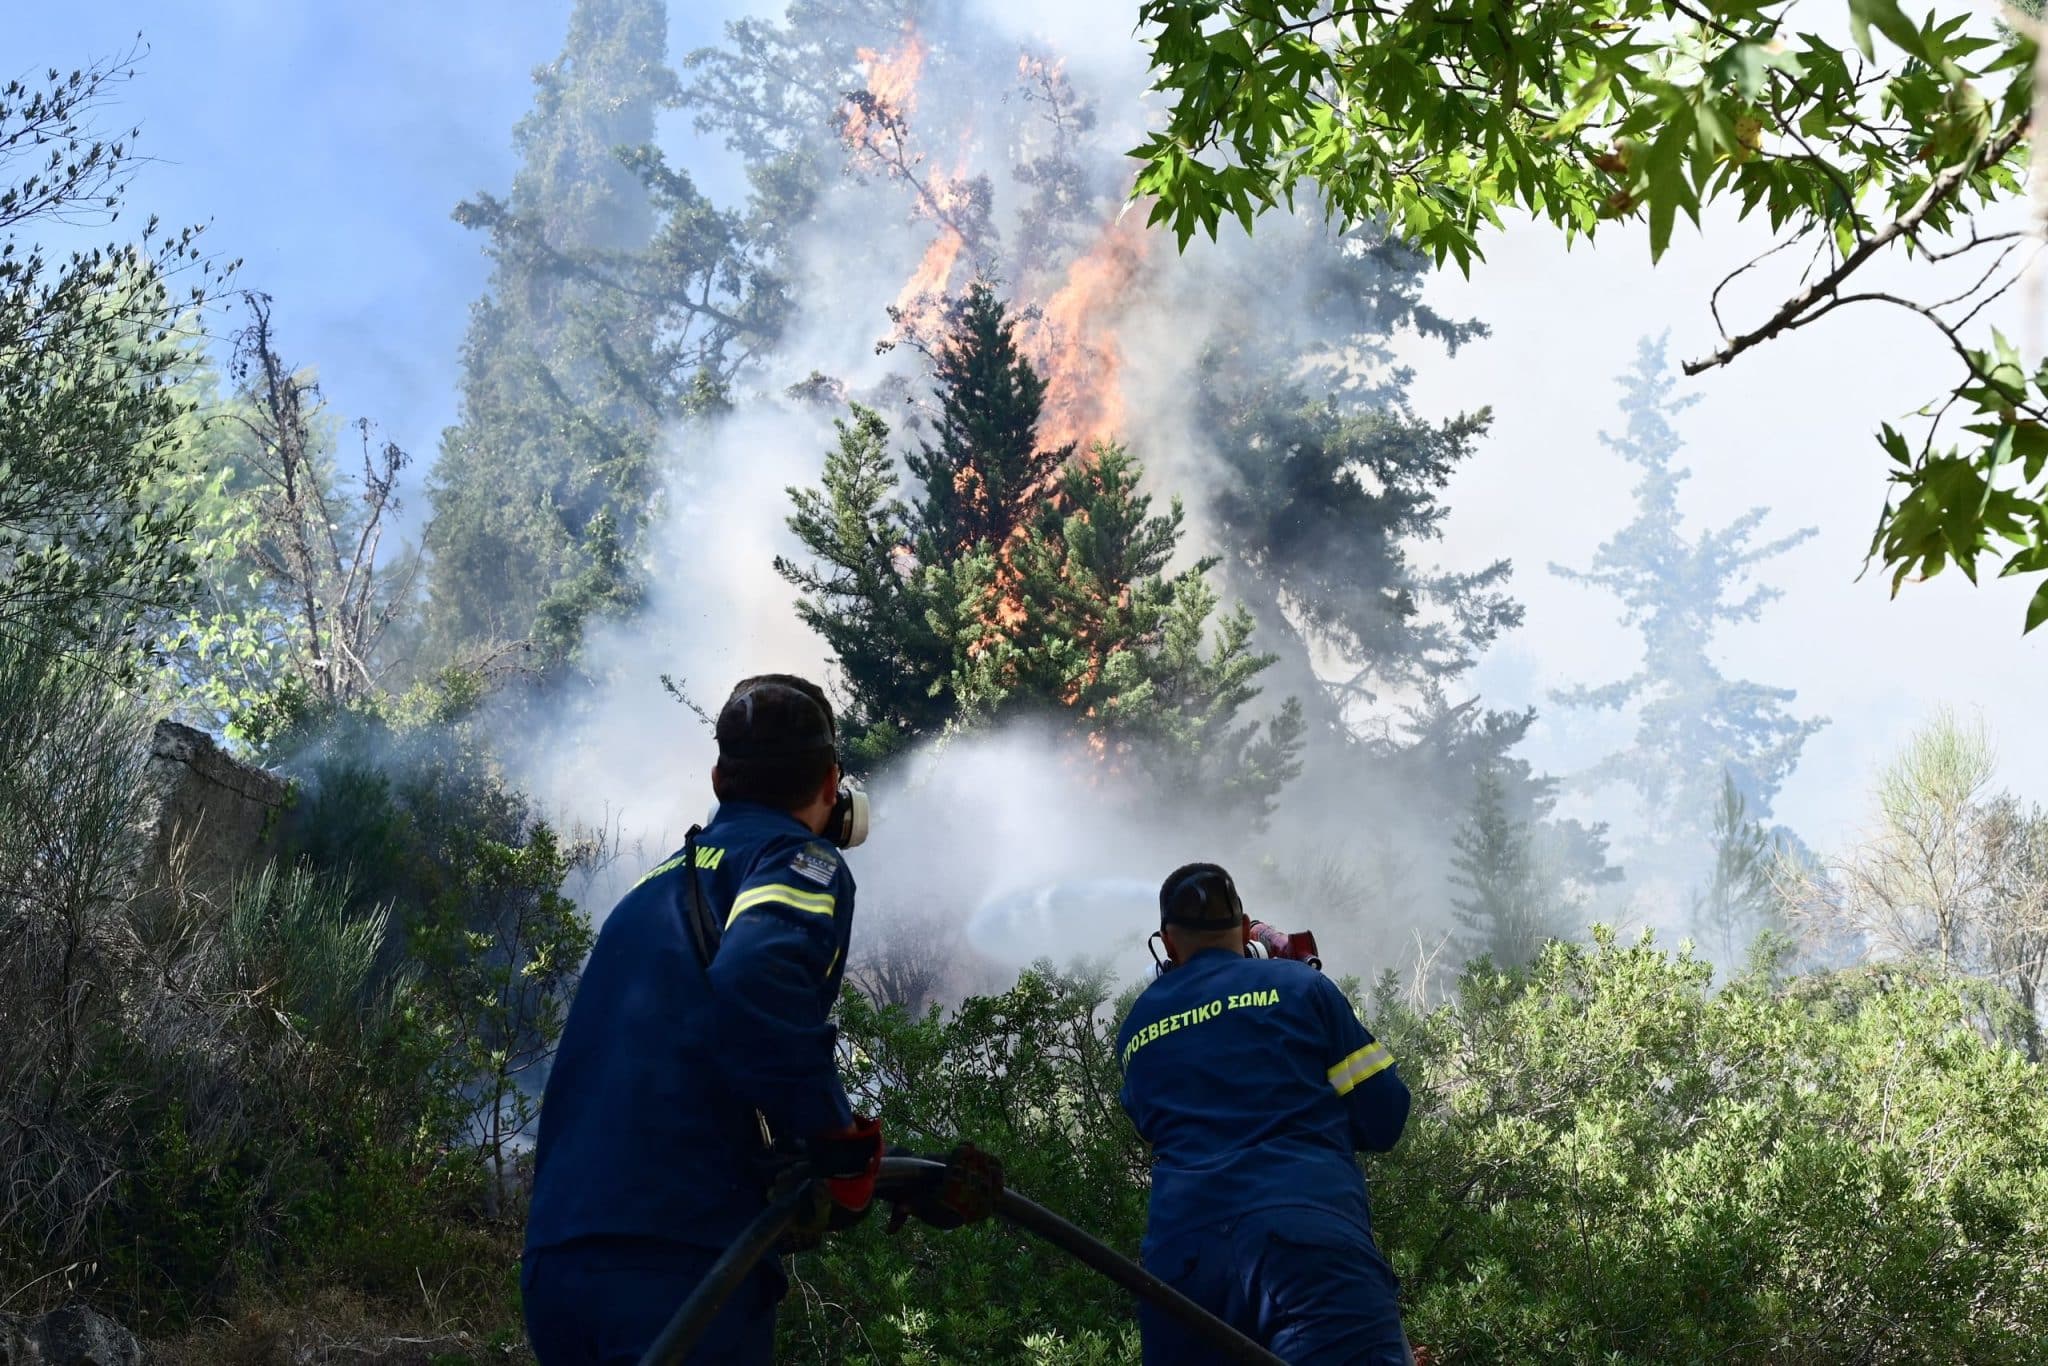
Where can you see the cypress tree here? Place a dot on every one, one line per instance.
(542, 486)
(1695, 728)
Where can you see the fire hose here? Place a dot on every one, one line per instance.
(898, 1174)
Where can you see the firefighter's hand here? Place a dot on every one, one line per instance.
(838, 1170)
(849, 1161)
(964, 1193)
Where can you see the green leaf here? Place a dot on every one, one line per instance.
(1594, 95)
(2030, 444)
(1887, 18)
(1668, 189)
(1743, 66)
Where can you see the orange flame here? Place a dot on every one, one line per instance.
(944, 196)
(924, 293)
(1074, 345)
(1070, 337)
(892, 80)
(919, 303)
(1040, 70)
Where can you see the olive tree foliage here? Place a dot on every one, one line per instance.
(164, 1053)
(1875, 140)
(1608, 1160)
(88, 393)
(1953, 872)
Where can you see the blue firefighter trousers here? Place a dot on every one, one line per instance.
(603, 1302)
(1312, 1288)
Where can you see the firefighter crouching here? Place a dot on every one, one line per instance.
(1255, 1084)
(699, 1034)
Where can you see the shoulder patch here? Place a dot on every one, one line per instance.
(816, 862)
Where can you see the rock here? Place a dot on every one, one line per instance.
(72, 1336)
(208, 818)
(15, 1348)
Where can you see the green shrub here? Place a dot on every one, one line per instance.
(1031, 1075)
(1609, 1161)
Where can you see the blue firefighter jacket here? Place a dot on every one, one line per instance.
(1255, 1083)
(648, 1125)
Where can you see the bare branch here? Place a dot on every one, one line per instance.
(1714, 300)
(1805, 306)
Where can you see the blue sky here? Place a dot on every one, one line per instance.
(326, 145)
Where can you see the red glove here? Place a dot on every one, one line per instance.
(850, 1159)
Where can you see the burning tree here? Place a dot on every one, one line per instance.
(1025, 582)
(983, 477)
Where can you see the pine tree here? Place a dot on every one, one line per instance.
(1738, 901)
(1103, 634)
(1336, 488)
(549, 471)
(987, 474)
(1335, 491)
(1508, 912)
(1694, 728)
(1330, 501)
(867, 597)
(1023, 585)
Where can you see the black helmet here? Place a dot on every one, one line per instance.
(1200, 896)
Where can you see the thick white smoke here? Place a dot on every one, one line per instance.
(1001, 847)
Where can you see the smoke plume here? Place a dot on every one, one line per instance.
(990, 142)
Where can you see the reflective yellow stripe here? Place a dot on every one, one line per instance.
(780, 894)
(1366, 1062)
(658, 869)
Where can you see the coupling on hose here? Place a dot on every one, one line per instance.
(964, 1188)
(945, 1191)
(815, 1213)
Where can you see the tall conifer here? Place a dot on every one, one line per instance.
(1694, 727)
(543, 483)
(1022, 582)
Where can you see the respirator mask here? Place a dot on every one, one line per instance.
(847, 826)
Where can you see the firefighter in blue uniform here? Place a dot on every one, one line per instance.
(1255, 1084)
(699, 1036)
